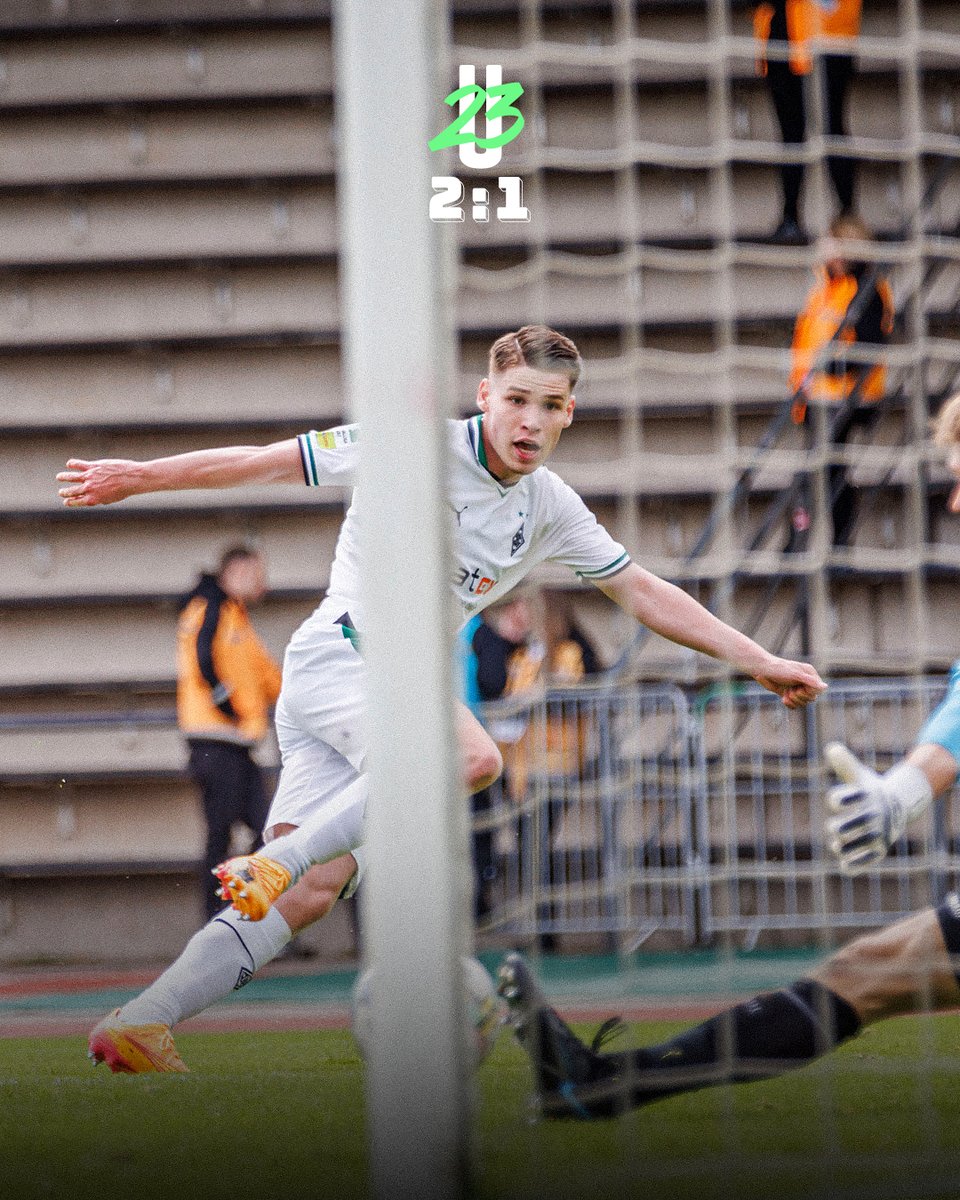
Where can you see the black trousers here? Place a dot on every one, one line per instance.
(789, 102)
(232, 789)
(841, 494)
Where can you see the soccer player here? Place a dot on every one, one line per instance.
(508, 513)
(913, 965)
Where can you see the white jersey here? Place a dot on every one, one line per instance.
(499, 533)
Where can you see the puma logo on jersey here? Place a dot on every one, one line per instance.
(459, 512)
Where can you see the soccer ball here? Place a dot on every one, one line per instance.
(484, 1009)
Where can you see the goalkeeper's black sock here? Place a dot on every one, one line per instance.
(763, 1037)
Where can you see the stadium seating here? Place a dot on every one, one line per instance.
(180, 387)
(169, 246)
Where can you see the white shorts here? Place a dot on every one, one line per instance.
(320, 721)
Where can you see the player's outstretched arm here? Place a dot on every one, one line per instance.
(85, 483)
(669, 611)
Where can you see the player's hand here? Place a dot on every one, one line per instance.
(796, 683)
(870, 816)
(101, 481)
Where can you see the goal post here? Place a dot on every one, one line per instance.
(397, 359)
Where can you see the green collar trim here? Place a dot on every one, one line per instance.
(482, 458)
(481, 449)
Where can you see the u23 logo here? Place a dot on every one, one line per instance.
(500, 101)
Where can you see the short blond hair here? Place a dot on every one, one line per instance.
(946, 424)
(536, 346)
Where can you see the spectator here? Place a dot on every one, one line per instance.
(850, 304)
(227, 684)
(552, 741)
(492, 640)
(562, 656)
(794, 25)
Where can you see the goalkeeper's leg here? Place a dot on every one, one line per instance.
(760, 1038)
(911, 966)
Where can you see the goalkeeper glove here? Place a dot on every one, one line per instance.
(872, 810)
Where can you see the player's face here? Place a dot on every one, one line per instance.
(953, 463)
(524, 413)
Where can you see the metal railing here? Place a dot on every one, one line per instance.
(635, 811)
(591, 821)
(640, 810)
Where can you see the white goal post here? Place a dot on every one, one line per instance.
(397, 356)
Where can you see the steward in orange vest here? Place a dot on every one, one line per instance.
(802, 28)
(832, 378)
(824, 312)
(227, 682)
(805, 21)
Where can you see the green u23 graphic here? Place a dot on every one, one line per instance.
(505, 95)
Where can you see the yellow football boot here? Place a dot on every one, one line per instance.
(133, 1049)
(251, 883)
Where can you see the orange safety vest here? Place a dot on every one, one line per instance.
(806, 20)
(821, 317)
(242, 663)
(553, 747)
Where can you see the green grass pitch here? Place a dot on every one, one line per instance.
(270, 1115)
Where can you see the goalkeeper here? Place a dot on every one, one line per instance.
(913, 965)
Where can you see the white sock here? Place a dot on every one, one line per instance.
(334, 829)
(217, 960)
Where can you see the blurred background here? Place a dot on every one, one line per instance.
(168, 280)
